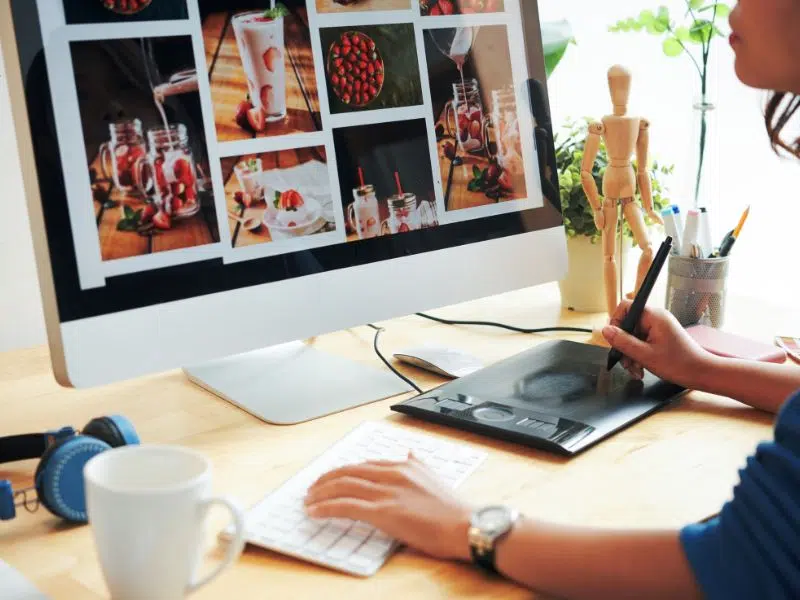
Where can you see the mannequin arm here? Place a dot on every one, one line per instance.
(643, 175)
(590, 151)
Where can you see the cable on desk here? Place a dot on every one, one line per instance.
(503, 326)
(378, 331)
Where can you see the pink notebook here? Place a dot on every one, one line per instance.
(733, 346)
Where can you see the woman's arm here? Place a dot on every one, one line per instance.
(407, 502)
(594, 564)
(761, 385)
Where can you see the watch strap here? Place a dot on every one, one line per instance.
(485, 560)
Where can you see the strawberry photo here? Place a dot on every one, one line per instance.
(340, 6)
(476, 115)
(146, 150)
(123, 11)
(437, 8)
(385, 179)
(278, 196)
(261, 69)
(371, 67)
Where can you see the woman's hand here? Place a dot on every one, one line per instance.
(662, 346)
(403, 499)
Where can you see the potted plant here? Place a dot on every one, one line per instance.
(583, 288)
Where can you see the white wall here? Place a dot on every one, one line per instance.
(662, 92)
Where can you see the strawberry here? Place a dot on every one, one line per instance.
(341, 71)
(357, 86)
(363, 77)
(348, 67)
(243, 198)
(271, 58)
(363, 46)
(338, 62)
(357, 99)
(345, 39)
(373, 90)
(505, 181)
(379, 78)
(356, 71)
(403, 228)
(257, 119)
(335, 80)
(352, 57)
(371, 69)
(291, 199)
(365, 97)
(356, 39)
(347, 80)
(371, 46)
(435, 11)
(161, 220)
(349, 90)
(241, 114)
(379, 66)
(337, 50)
(148, 212)
(447, 7)
(346, 98)
(176, 204)
(291, 224)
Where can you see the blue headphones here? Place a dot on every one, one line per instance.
(59, 476)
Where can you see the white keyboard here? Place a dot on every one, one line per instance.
(279, 521)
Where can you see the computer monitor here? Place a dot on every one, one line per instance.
(209, 178)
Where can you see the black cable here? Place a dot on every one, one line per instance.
(502, 326)
(378, 331)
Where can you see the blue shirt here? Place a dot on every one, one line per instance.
(752, 549)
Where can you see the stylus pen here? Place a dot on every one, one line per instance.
(637, 307)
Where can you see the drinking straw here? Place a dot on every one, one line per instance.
(361, 176)
(397, 179)
(272, 4)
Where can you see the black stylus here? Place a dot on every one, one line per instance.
(637, 307)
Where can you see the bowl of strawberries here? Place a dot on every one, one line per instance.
(355, 69)
(126, 7)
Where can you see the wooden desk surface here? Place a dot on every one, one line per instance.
(672, 468)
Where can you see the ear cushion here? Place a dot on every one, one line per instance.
(59, 476)
(115, 431)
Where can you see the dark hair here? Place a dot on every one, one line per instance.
(776, 117)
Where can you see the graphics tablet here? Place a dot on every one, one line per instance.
(557, 396)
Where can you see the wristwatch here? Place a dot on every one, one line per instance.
(487, 527)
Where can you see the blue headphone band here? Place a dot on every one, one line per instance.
(126, 429)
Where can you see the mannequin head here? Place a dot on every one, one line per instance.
(619, 85)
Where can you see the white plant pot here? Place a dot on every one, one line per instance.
(583, 289)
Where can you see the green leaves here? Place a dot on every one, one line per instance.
(556, 38)
(130, 220)
(672, 47)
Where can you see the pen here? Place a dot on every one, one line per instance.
(704, 234)
(727, 245)
(635, 313)
(690, 231)
(671, 217)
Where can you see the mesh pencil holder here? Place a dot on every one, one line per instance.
(696, 290)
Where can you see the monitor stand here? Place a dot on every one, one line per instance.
(292, 383)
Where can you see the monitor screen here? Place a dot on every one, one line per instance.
(189, 147)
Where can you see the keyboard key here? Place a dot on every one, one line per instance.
(344, 547)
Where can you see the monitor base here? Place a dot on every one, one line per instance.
(292, 383)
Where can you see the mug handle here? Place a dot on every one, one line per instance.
(235, 547)
(449, 108)
(351, 218)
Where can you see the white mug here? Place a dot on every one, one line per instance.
(147, 506)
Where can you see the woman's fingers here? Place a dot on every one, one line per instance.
(345, 487)
(344, 508)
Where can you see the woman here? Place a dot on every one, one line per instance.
(751, 550)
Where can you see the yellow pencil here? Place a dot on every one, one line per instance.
(741, 222)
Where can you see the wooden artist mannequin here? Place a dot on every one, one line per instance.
(622, 135)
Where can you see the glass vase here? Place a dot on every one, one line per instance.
(703, 169)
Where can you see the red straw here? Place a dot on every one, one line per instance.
(361, 176)
(397, 179)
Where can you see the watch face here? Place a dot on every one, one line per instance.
(494, 518)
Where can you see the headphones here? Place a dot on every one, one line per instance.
(59, 475)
